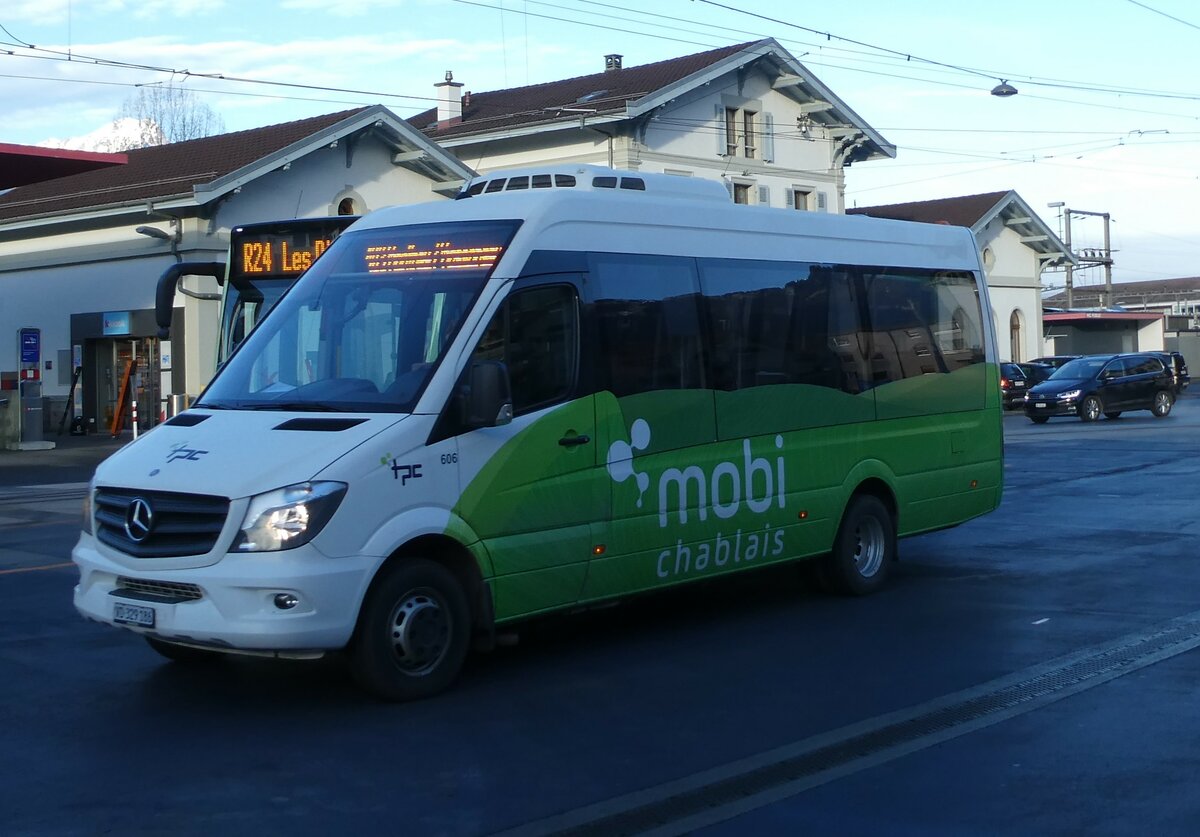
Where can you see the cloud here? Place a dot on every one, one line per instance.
(355, 9)
(54, 12)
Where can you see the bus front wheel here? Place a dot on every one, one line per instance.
(864, 548)
(413, 632)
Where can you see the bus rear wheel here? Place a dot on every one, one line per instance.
(864, 549)
(413, 632)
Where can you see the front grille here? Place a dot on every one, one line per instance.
(180, 524)
(166, 590)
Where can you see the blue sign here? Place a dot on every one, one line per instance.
(31, 345)
(116, 322)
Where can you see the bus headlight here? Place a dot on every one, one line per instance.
(288, 517)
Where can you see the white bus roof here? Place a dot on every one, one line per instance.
(596, 209)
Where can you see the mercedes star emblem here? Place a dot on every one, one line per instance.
(139, 519)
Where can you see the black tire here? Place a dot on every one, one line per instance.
(413, 632)
(1112, 414)
(1039, 419)
(184, 654)
(1162, 404)
(1090, 408)
(864, 549)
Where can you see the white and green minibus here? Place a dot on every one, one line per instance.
(569, 386)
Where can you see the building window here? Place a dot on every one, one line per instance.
(1015, 337)
(346, 207)
(741, 133)
(741, 193)
(801, 199)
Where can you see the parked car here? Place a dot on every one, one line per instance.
(1012, 386)
(1017, 378)
(1177, 365)
(1054, 361)
(1108, 385)
(1035, 373)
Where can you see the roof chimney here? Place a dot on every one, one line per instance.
(612, 62)
(449, 109)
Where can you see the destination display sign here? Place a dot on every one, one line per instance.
(278, 254)
(422, 256)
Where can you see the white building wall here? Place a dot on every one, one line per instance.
(1014, 285)
(76, 265)
(688, 137)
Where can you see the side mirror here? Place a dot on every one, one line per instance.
(488, 396)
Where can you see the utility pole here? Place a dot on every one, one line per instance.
(1070, 261)
(1088, 258)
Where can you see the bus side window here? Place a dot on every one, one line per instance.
(536, 335)
(781, 323)
(647, 312)
(922, 322)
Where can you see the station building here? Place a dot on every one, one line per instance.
(80, 253)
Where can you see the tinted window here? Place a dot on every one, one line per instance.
(922, 322)
(535, 334)
(1080, 368)
(777, 323)
(647, 317)
(1143, 365)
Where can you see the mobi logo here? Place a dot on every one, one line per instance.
(620, 458)
(749, 481)
(752, 480)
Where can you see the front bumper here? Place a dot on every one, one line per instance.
(233, 605)
(1051, 407)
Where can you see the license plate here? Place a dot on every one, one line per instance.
(1041, 405)
(129, 614)
(1019, 384)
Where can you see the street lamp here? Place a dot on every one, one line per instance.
(1004, 89)
(154, 232)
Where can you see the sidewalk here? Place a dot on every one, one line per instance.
(73, 460)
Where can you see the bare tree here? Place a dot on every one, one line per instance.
(162, 113)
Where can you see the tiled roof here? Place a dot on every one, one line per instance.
(161, 171)
(606, 92)
(1150, 291)
(963, 211)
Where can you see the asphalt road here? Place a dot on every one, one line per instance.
(1030, 672)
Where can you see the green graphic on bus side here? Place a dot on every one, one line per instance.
(676, 485)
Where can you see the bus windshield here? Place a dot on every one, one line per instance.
(366, 327)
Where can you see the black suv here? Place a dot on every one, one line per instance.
(1103, 384)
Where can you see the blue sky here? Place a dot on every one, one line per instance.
(1107, 118)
